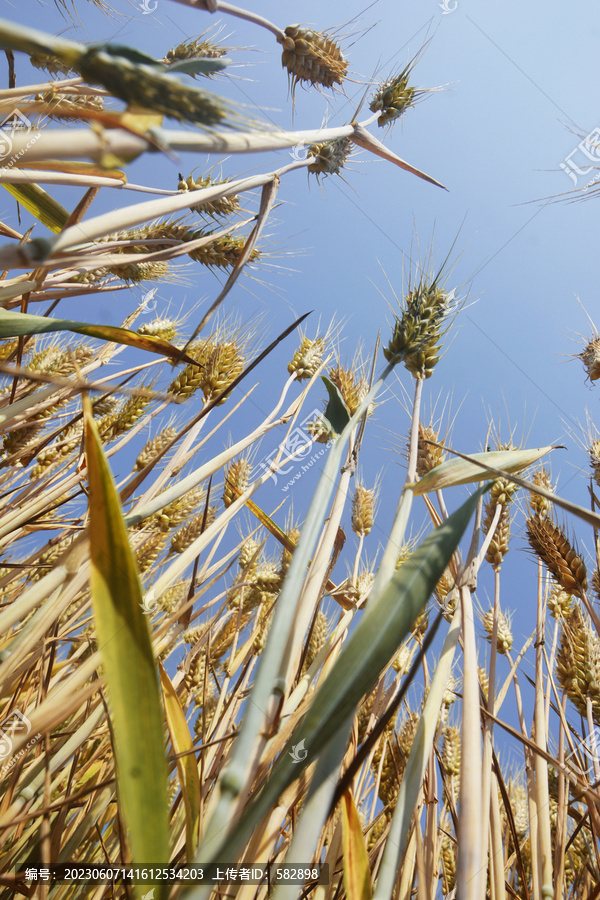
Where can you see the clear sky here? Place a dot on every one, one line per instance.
(516, 96)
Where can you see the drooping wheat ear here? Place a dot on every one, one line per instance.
(220, 206)
(219, 363)
(363, 509)
(553, 547)
(162, 327)
(329, 156)
(123, 419)
(578, 662)
(560, 602)
(153, 448)
(418, 331)
(428, 455)
(501, 494)
(590, 357)
(237, 478)
(538, 505)
(307, 358)
(504, 638)
(312, 56)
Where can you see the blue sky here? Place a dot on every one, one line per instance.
(518, 96)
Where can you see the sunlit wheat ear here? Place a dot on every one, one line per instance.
(484, 682)
(186, 535)
(377, 830)
(57, 359)
(178, 511)
(47, 459)
(352, 384)
(590, 357)
(237, 478)
(123, 419)
(220, 206)
(64, 105)
(451, 750)
(500, 494)
(578, 662)
(448, 863)
(504, 637)
(560, 602)
(163, 327)
(553, 547)
(307, 358)
(51, 64)
(540, 506)
(219, 363)
(418, 332)
(330, 157)
(363, 510)
(318, 636)
(428, 455)
(195, 48)
(149, 549)
(395, 96)
(403, 659)
(313, 57)
(153, 448)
